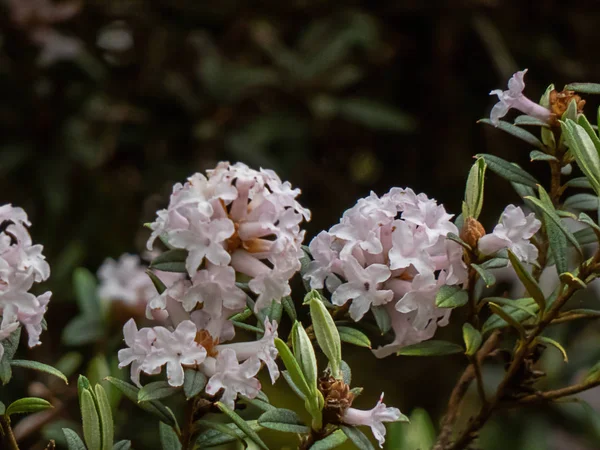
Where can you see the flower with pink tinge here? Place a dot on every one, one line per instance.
(175, 292)
(374, 418)
(231, 376)
(203, 239)
(264, 349)
(362, 287)
(270, 286)
(214, 288)
(125, 280)
(326, 260)
(421, 298)
(218, 325)
(139, 346)
(432, 217)
(513, 232)
(514, 98)
(407, 248)
(177, 349)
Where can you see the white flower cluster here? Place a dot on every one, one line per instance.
(21, 265)
(235, 221)
(390, 252)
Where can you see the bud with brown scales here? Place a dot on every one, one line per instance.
(472, 231)
(559, 102)
(338, 398)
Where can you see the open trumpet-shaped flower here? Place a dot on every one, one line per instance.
(374, 418)
(514, 98)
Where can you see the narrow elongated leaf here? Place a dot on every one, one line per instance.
(508, 171)
(582, 201)
(583, 217)
(156, 391)
(472, 339)
(536, 155)
(157, 282)
(305, 355)
(83, 330)
(170, 261)
(516, 131)
(586, 236)
(242, 425)
(289, 307)
(525, 120)
(2, 409)
(335, 439)
(74, 442)
(382, 318)
(84, 283)
(122, 445)
(494, 263)
(451, 297)
(220, 434)
(40, 367)
(509, 302)
(285, 420)
(346, 373)
(357, 437)
(153, 407)
(430, 348)
(327, 334)
(552, 342)
(168, 437)
(10, 345)
(474, 190)
(91, 422)
(258, 403)
(579, 182)
(193, 383)
(488, 277)
(106, 420)
(581, 143)
(496, 309)
(294, 370)
(354, 336)
(287, 377)
(495, 321)
(585, 88)
(28, 405)
(528, 281)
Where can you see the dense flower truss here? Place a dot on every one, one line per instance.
(21, 265)
(390, 252)
(235, 222)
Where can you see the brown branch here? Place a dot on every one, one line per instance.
(8, 438)
(555, 394)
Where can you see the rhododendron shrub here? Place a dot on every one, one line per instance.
(210, 316)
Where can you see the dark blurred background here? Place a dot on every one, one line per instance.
(105, 104)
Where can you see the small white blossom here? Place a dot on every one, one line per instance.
(514, 98)
(374, 418)
(139, 346)
(125, 280)
(513, 232)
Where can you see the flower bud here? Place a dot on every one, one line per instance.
(472, 231)
(559, 102)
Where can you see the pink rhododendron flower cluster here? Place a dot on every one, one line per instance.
(21, 265)
(390, 252)
(234, 222)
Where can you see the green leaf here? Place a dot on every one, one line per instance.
(579, 182)
(74, 442)
(457, 239)
(508, 171)
(83, 330)
(258, 403)
(528, 281)
(2, 409)
(354, 336)
(585, 88)
(289, 307)
(375, 115)
(221, 434)
(472, 339)
(357, 437)
(494, 263)
(305, 355)
(157, 282)
(525, 120)
(571, 111)
(430, 348)
(496, 309)
(193, 383)
(346, 373)
(28, 405)
(583, 143)
(294, 370)
(451, 297)
(242, 425)
(582, 201)
(516, 312)
(335, 439)
(517, 132)
(326, 333)
(10, 345)
(287, 377)
(488, 277)
(170, 261)
(552, 342)
(106, 420)
(153, 407)
(382, 318)
(122, 445)
(586, 236)
(91, 422)
(474, 190)
(168, 438)
(536, 155)
(85, 286)
(512, 303)
(247, 327)
(285, 420)
(156, 391)
(40, 367)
